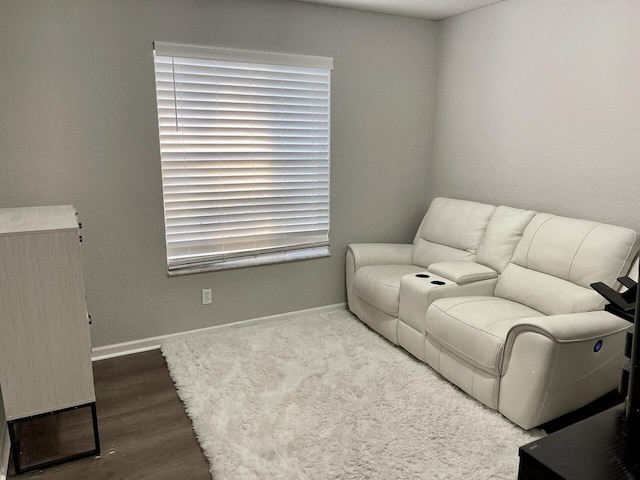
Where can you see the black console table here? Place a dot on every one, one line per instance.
(596, 448)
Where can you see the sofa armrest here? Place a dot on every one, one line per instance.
(571, 327)
(380, 254)
(363, 254)
(553, 365)
(463, 272)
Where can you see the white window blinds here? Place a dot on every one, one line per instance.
(245, 155)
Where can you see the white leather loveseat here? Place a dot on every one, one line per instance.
(497, 300)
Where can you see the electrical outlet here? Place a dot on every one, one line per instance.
(206, 296)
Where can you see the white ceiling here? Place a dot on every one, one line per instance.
(429, 9)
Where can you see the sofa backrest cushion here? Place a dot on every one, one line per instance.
(504, 231)
(451, 230)
(558, 258)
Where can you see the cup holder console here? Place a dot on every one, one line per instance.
(433, 281)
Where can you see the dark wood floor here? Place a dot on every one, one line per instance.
(144, 430)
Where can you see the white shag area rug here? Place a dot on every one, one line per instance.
(324, 397)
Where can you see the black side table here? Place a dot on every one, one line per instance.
(594, 449)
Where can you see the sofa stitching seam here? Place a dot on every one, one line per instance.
(464, 355)
(526, 259)
(547, 388)
(445, 245)
(577, 250)
(379, 281)
(462, 303)
(376, 308)
(463, 222)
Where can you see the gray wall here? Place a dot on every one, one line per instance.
(538, 105)
(78, 126)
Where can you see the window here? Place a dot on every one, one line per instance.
(244, 143)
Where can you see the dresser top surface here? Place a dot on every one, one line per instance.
(37, 219)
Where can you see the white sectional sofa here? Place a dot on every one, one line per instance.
(497, 300)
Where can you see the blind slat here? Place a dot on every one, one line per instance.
(181, 211)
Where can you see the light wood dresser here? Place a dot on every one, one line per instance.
(45, 345)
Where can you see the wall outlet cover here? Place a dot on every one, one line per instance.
(206, 296)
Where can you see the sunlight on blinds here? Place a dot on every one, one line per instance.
(245, 158)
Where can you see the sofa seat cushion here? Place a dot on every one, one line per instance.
(475, 328)
(379, 285)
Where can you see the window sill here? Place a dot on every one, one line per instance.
(266, 259)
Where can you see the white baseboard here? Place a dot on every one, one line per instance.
(4, 454)
(153, 343)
